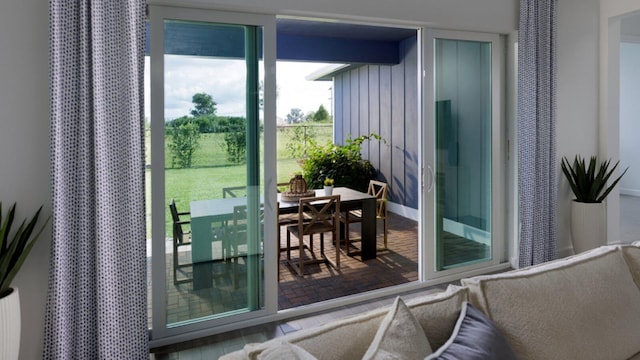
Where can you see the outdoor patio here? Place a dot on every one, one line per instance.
(396, 265)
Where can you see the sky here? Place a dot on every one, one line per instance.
(224, 80)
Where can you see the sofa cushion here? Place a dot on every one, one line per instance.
(399, 336)
(349, 338)
(438, 314)
(475, 337)
(285, 350)
(632, 255)
(584, 307)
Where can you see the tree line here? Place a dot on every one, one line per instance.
(184, 133)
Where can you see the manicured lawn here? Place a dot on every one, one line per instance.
(210, 172)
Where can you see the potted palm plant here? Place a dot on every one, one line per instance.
(15, 245)
(589, 185)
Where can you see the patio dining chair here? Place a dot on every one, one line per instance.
(234, 191)
(180, 238)
(283, 220)
(316, 215)
(347, 217)
(238, 239)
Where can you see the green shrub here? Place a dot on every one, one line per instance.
(184, 140)
(342, 163)
(300, 136)
(235, 139)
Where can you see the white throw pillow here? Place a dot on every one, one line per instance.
(399, 336)
(285, 350)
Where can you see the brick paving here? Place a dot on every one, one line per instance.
(396, 265)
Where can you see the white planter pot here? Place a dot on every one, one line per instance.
(588, 226)
(328, 190)
(10, 326)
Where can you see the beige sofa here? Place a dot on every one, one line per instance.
(583, 307)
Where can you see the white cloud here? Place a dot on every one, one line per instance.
(294, 91)
(224, 80)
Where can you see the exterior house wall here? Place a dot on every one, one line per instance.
(384, 99)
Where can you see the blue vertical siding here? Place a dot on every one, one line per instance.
(384, 99)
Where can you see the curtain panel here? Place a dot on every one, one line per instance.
(537, 184)
(97, 300)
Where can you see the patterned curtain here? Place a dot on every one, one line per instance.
(96, 304)
(536, 131)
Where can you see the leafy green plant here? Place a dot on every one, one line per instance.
(15, 247)
(235, 140)
(342, 163)
(328, 182)
(588, 185)
(184, 141)
(300, 136)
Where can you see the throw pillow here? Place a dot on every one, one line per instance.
(475, 337)
(285, 350)
(399, 336)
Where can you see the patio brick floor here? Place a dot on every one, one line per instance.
(396, 265)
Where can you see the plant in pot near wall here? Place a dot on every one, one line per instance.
(588, 213)
(15, 245)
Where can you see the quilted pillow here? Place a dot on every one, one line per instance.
(399, 336)
(475, 337)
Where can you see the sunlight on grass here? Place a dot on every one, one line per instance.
(211, 172)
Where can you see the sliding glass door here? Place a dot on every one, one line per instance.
(465, 167)
(207, 169)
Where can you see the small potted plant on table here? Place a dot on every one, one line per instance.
(328, 186)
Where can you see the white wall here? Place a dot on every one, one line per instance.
(630, 117)
(577, 101)
(498, 16)
(24, 147)
(611, 12)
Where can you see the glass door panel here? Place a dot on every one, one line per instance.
(207, 169)
(212, 169)
(463, 176)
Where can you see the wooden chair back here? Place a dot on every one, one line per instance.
(240, 222)
(379, 190)
(178, 231)
(318, 214)
(234, 191)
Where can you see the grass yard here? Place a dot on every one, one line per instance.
(211, 172)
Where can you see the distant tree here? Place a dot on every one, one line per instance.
(300, 136)
(310, 116)
(206, 124)
(295, 116)
(204, 105)
(321, 114)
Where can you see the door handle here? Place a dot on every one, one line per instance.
(430, 178)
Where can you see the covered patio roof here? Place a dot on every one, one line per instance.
(297, 40)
